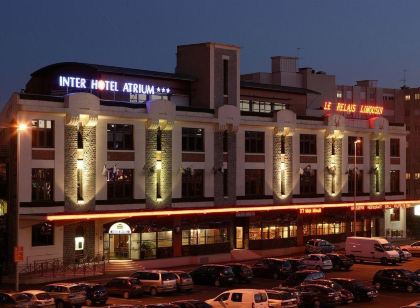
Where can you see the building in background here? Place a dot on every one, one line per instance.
(135, 164)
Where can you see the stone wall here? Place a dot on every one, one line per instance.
(70, 167)
(333, 151)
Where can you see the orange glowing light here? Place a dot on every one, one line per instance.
(201, 211)
(22, 127)
(353, 108)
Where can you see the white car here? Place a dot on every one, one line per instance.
(412, 305)
(413, 248)
(281, 299)
(317, 261)
(240, 298)
(40, 298)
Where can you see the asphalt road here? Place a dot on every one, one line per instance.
(364, 272)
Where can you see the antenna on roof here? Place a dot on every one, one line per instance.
(298, 56)
(404, 80)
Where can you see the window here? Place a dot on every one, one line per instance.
(120, 137)
(236, 297)
(245, 105)
(164, 239)
(308, 182)
(417, 176)
(283, 144)
(395, 147)
(339, 94)
(407, 176)
(417, 96)
(193, 184)
(79, 139)
(223, 297)
(271, 231)
(42, 134)
(359, 181)
(394, 214)
(254, 142)
(359, 146)
(254, 182)
(225, 77)
(120, 184)
(192, 139)
(395, 181)
(261, 106)
(407, 97)
(349, 95)
(307, 144)
(42, 184)
(43, 234)
(204, 236)
(324, 228)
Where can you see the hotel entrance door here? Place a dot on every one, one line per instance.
(121, 246)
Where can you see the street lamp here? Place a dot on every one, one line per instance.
(354, 184)
(21, 127)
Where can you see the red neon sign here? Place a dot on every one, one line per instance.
(353, 108)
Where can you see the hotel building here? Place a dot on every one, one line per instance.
(135, 164)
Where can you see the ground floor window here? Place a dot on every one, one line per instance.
(258, 232)
(43, 234)
(324, 228)
(204, 236)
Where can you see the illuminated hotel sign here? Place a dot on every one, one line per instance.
(111, 85)
(310, 211)
(353, 108)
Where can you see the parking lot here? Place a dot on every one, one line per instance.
(363, 272)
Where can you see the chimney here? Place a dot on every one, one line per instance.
(284, 64)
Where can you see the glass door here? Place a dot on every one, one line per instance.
(239, 238)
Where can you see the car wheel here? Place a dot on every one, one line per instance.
(126, 295)
(410, 289)
(384, 261)
(377, 285)
(59, 304)
(153, 292)
(317, 304)
(276, 275)
(217, 283)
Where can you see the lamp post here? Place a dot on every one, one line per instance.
(354, 185)
(20, 128)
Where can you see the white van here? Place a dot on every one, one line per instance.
(374, 249)
(240, 298)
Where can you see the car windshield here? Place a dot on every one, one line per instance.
(20, 297)
(387, 247)
(184, 275)
(409, 274)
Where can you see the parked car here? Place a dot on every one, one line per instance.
(346, 296)
(40, 298)
(15, 300)
(316, 296)
(296, 263)
(191, 303)
(415, 304)
(156, 281)
(125, 286)
(243, 273)
(374, 249)
(240, 298)
(317, 261)
(95, 293)
(66, 294)
(213, 274)
(360, 291)
(396, 279)
(403, 254)
(298, 277)
(318, 246)
(272, 268)
(413, 248)
(167, 305)
(184, 281)
(281, 299)
(340, 261)
(295, 292)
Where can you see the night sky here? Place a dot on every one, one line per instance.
(353, 39)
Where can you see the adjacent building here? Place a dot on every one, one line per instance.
(135, 164)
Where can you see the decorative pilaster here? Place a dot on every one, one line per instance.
(282, 166)
(218, 167)
(377, 167)
(166, 172)
(89, 164)
(333, 158)
(70, 163)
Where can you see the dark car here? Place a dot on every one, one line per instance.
(161, 306)
(396, 279)
(213, 274)
(298, 277)
(360, 291)
(272, 268)
(191, 303)
(313, 295)
(318, 246)
(293, 291)
(340, 261)
(15, 300)
(95, 293)
(125, 286)
(242, 272)
(346, 296)
(296, 263)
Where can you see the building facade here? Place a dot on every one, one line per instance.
(134, 164)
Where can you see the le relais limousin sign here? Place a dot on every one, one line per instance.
(353, 108)
(111, 85)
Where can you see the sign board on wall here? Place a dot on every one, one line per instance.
(120, 228)
(353, 108)
(18, 254)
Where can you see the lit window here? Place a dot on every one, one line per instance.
(408, 176)
(339, 94)
(407, 97)
(417, 96)
(417, 176)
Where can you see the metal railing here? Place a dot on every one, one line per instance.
(59, 267)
